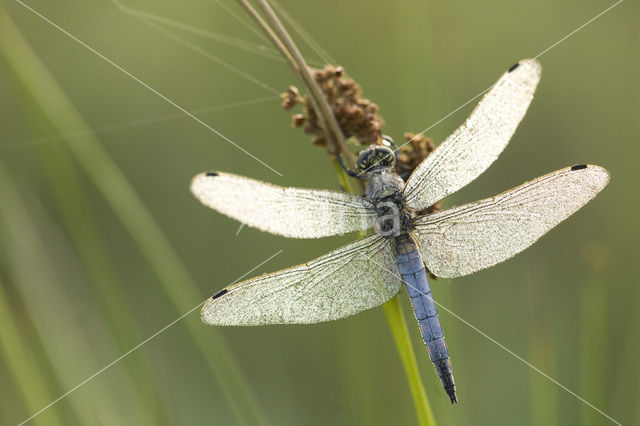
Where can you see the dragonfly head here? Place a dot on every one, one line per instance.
(374, 157)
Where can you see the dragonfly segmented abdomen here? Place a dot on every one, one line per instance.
(414, 276)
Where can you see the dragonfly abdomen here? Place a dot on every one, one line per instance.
(414, 276)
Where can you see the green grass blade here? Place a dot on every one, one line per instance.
(59, 329)
(128, 207)
(22, 366)
(400, 332)
(83, 231)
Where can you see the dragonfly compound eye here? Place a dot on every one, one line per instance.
(385, 156)
(365, 159)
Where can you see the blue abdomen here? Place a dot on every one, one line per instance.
(414, 276)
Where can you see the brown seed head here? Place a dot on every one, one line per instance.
(357, 117)
(413, 152)
(291, 98)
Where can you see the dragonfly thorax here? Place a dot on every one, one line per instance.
(384, 190)
(383, 183)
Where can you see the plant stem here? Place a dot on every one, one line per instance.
(395, 317)
(400, 332)
(343, 178)
(325, 108)
(283, 41)
(295, 67)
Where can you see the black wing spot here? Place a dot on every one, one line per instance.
(212, 174)
(514, 66)
(579, 167)
(220, 293)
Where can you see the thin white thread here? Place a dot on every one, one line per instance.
(500, 345)
(246, 24)
(304, 34)
(518, 357)
(260, 49)
(109, 365)
(151, 89)
(128, 124)
(535, 57)
(239, 229)
(578, 29)
(489, 88)
(206, 54)
(256, 48)
(115, 361)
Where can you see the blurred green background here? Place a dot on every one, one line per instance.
(102, 245)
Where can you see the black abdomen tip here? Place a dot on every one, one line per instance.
(212, 174)
(220, 293)
(514, 66)
(579, 167)
(452, 395)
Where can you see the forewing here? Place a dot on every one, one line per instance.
(476, 144)
(291, 212)
(475, 236)
(358, 276)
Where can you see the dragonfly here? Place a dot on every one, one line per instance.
(404, 244)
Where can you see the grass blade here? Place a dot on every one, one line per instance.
(132, 213)
(400, 332)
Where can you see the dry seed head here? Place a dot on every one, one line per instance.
(290, 98)
(357, 117)
(413, 152)
(298, 120)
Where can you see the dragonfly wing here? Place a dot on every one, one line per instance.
(474, 236)
(358, 276)
(476, 144)
(290, 212)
